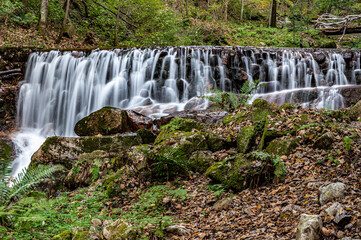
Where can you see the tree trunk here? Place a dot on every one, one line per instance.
(64, 22)
(273, 15)
(242, 9)
(226, 11)
(43, 16)
(187, 9)
(116, 26)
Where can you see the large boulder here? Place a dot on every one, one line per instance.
(245, 171)
(325, 141)
(200, 161)
(66, 150)
(331, 192)
(355, 111)
(309, 227)
(282, 146)
(109, 120)
(119, 230)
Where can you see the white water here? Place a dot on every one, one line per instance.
(60, 89)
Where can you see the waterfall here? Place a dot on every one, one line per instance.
(61, 88)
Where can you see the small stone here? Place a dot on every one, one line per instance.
(347, 238)
(119, 230)
(96, 222)
(334, 209)
(340, 234)
(341, 219)
(222, 204)
(309, 227)
(325, 141)
(166, 200)
(177, 230)
(326, 231)
(330, 192)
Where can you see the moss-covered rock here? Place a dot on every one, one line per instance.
(66, 150)
(287, 106)
(241, 172)
(282, 146)
(325, 141)
(355, 111)
(260, 109)
(245, 139)
(106, 121)
(119, 230)
(113, 184)
(147, 136)
(92, 166)
(5, 152)
(214, 141)
(64, 235)
(178, 125)
(200, 161)
(83, 235)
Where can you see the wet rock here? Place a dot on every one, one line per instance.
(108, 121)
(282, 146)
(309, 227)
(119, 230)
(200, 161)
(330, 192)
(194, 104)
(147, 136)
(319, 57)
(325, 141)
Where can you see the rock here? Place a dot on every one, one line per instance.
(84, 235)
(214, 141)
(69, 31)
(119, 230)
(178, 124)
(200, 161)
(319, 57)
(282, 146)
(222, 204)
(109, 121)
(195, 103)
(64, 235)
(325, 141)
(340, 234)
(96, 222)
(326, 232)
(245, 139)
(309, 227)
(342, 219)
(355, 111)
(113, 185)
(66, 150)
(243, 171)
(287, 106)
(330, 192)
(333, 209)
(177, 230)
(260, 109)
(147, 136)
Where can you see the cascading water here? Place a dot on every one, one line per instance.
(61, 88)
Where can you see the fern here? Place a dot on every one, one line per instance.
(25, 181)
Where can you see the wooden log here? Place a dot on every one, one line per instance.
(340, 31)
(17, 70)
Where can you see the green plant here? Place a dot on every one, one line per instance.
(231, 101)
(25, 181)
(347, 143)
(218, 189)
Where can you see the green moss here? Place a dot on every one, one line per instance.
(51, 141)
(282, 146)
(260, 109)
(112, 182)
(147, 136)
(200, 161)
(214, 141)
(239, 173)
(245, 139)
(64, 235)
(84, 235)
(178, 125)
(287, 106)
(238, 117)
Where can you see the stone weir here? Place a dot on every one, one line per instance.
(61, 87)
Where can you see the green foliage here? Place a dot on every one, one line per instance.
(25, 181)
(230, 101)
(335, 6)
(217, 189)
(152, 206)
(280, 168)
(347, 143)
